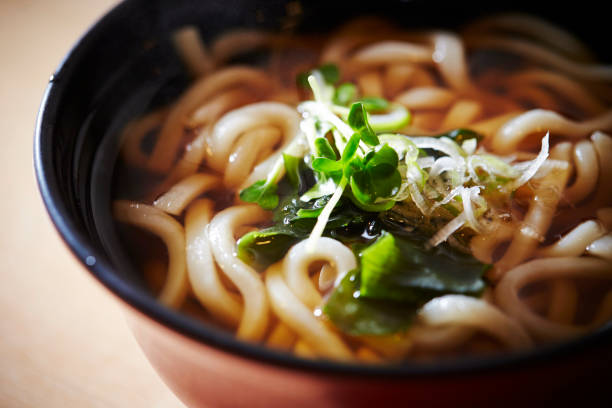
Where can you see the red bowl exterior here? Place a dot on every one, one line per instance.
(203, 376)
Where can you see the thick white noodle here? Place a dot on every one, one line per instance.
(171, 233)
(563, 301)
(203, 275)
(449, 55)
(461, 114)
(426, 97)
(532, 229)
(300, 318)
(572, 90)
(192, 50)
(221, 232)
(168, 140)
(602, 143)
(507, 294)
(182, 193)
(587, 169)
(393, 52)
(483, 246)
(233, 124)
(513, 132)
(575, 242)
(537, 29)
(253, 146)
(467, 311)
(370, 83)
(543, 55)
(398, 77)
(237, 42)
(209, 112)
(299, 258)
(601, 247)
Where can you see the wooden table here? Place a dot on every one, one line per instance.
(63, 338)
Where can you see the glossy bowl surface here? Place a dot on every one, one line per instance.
(122, 67)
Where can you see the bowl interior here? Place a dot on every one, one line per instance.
(125, 66)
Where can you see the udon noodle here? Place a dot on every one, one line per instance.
(530, 90)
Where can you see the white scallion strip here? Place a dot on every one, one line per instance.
(550, 165)
(403, 146)
(425, 162)
(322, 219)
(442, 144)
(433, 194)
(447, 199)
(446, 231)
(322, 112)
(307, 126)
(464, 170)
(322, 108)
(415, 174)
(403, 193)
(469, 146)
(481, 206)
(321, 91)
(492, 165)
(418, 198)
(443, 164)
(342, 111)
(468, 210)
(533, 167)
(471, 168)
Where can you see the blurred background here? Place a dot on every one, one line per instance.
(63, 339)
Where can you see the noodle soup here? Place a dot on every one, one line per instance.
(397, 196)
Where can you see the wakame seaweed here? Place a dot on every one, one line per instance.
(355, 315)
(293, 220)
(396, 276)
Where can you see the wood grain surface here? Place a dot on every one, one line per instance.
(63, 338)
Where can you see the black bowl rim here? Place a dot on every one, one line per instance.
(80, 246)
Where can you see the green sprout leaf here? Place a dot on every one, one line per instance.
(330, 73)
(358, 121)
(345, 94)
(292, 169)
(324, 149)
(261, 193)
(378, 177)
(350, 149)
(326, 166)
(382, 155)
